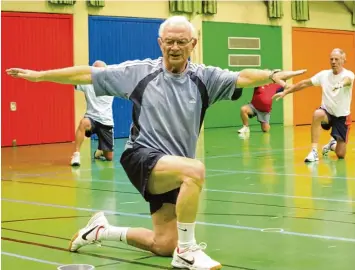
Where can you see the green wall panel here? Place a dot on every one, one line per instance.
(215, 53)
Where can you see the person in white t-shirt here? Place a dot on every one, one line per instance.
(334, 112)
(98, 120)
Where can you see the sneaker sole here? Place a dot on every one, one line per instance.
(307, 160)
(71, 242)
(325, 152)
(178, 265)
(195, 268)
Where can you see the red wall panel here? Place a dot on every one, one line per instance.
(45, 111)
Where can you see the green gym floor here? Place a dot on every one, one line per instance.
(262, 207)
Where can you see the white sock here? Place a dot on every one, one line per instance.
(332, 145)
(186, 234)
(112, 233)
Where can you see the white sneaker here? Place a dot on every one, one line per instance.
(244, 129)
(75, 159)
(88, 235)
(312, 156)
(194, 258)
(327, 148)
(98, 154)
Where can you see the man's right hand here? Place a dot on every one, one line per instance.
(279, 95)
(27, 74)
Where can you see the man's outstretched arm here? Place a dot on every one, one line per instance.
(293, 88)
(256, 77)
(71, 75)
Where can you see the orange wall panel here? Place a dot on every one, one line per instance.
(310, 50)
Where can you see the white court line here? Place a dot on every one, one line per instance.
(260, 193)
(219, 174)
(103, 181)
(79, 180)
(286, 174)
(29, 258)
(128, 202)
(221, 225)
(278, 195)
(241, 154)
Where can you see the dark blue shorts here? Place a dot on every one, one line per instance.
(104, 134)
(340, 126)
(138, 163)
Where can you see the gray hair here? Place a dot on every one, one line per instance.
(99, 63)
(341, 52)
(177, 20)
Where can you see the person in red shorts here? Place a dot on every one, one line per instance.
(260, 106)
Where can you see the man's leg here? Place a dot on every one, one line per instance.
(319, 117)
(172, 230)
(161, 240)
(188, 174)
(107, 155)
(84, 125)
(264, 119)
(105, 137)
(340, 149)
(245, 113)
(340, 131)
(265, 127)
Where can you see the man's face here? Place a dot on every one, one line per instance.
(176, 44)
(336, 61)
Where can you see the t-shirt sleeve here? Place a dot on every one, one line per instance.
(316, 79)
(118, 80)
(82, 88)
(350, 74)
(220, 84)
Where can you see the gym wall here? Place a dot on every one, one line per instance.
(42, 112)
(217, 52)
(328, 15)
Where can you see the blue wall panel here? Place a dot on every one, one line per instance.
(117, 39)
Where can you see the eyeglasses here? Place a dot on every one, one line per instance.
(179, 42)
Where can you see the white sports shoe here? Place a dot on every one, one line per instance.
(244, 129)
(75, 159)
(312, 156)
(98, 154)
(194, 258)
(88, 235)
(327, 148)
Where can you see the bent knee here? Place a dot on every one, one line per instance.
(85, 124)
(194, 174)
(319, 114)
(108, 156)
(340, 149)
(340, 155)
(244, 109)
(164, 246)
(265, 128)
(198, 174)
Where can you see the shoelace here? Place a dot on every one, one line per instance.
(200, 246)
